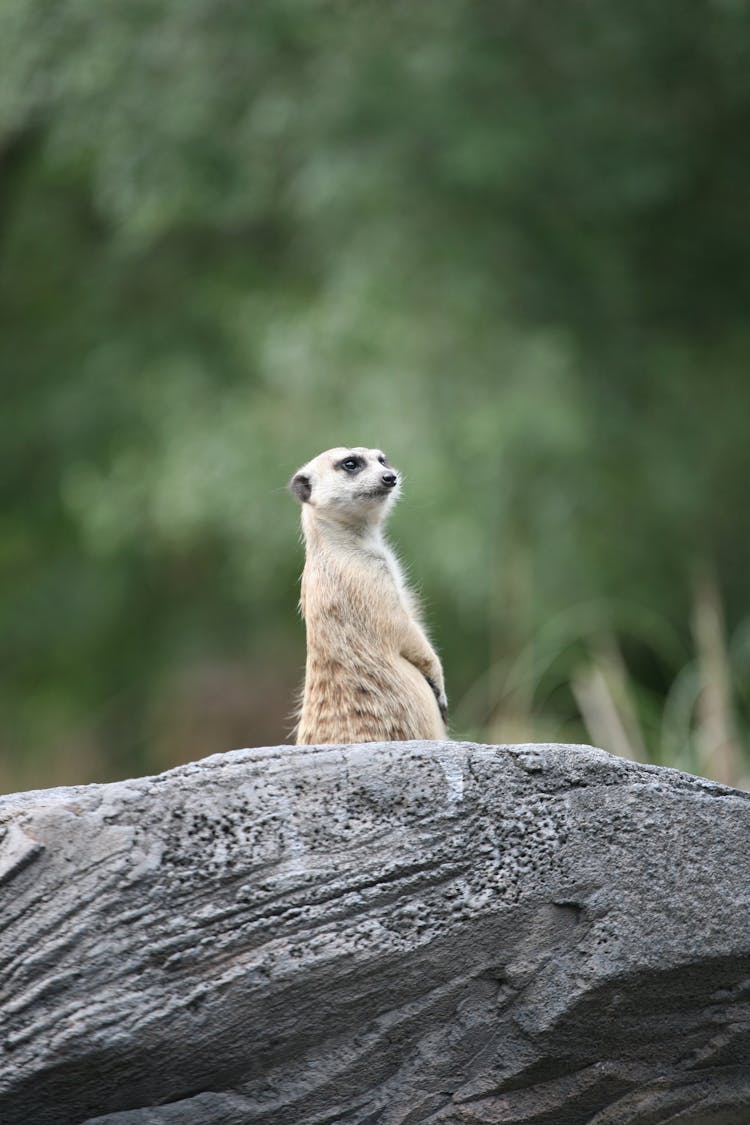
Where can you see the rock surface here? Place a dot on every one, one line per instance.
(398, 933)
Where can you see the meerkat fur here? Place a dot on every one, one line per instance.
(371, 673)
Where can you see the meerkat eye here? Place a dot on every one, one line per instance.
(382, 459)
(351, 464)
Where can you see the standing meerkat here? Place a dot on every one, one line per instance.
(371, 674)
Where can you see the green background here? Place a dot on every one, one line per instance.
(506, 242)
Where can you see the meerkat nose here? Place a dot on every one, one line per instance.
(389, 479)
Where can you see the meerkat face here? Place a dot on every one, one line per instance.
(348, 485)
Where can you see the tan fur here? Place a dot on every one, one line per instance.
(368, 656)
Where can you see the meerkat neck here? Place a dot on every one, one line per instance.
(320, 531)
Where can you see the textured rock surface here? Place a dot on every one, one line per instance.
(415, 932)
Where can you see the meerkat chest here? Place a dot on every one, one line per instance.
(357, 589)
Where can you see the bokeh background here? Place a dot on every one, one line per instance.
(507, 242)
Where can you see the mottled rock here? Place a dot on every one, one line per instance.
(397, 933)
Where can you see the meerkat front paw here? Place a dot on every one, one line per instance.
(442, 699)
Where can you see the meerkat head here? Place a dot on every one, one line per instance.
(347, 486)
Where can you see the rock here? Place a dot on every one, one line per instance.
(397, 933)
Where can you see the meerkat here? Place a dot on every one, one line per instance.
(371, 673)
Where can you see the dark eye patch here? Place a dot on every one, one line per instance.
(383, 459)
(351, 464)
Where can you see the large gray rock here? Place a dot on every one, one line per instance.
(402, 933)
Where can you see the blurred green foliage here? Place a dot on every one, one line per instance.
(507, 242)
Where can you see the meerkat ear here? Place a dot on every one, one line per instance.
(301, 487)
